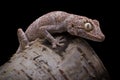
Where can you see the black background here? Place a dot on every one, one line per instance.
(21, 14)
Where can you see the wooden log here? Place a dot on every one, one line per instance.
(76, 60)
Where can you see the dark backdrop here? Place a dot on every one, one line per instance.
(21, 14)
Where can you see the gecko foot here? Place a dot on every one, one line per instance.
(58, 42)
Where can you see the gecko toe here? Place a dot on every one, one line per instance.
(60, 44)
(54, 45)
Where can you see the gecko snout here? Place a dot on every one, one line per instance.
(101, 38)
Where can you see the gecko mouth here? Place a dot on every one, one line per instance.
(99, 38)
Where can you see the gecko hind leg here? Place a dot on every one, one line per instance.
(23, 40)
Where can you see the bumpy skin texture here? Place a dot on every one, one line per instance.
(58, 22)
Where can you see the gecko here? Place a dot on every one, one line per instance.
(58, 22)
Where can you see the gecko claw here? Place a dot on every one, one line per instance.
(58, 42)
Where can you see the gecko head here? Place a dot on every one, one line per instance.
(87, 28)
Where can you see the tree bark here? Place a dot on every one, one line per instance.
(76, 60)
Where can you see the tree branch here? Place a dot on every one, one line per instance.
(76, 60)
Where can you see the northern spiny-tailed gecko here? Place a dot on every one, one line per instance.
(58, 22)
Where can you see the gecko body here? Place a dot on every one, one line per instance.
(58, 22)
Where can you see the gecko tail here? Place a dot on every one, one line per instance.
(23, 40)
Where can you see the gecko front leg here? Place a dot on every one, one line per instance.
(46, 31)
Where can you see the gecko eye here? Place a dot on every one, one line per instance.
(88, 27)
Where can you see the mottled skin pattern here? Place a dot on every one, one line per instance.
(58, 22)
